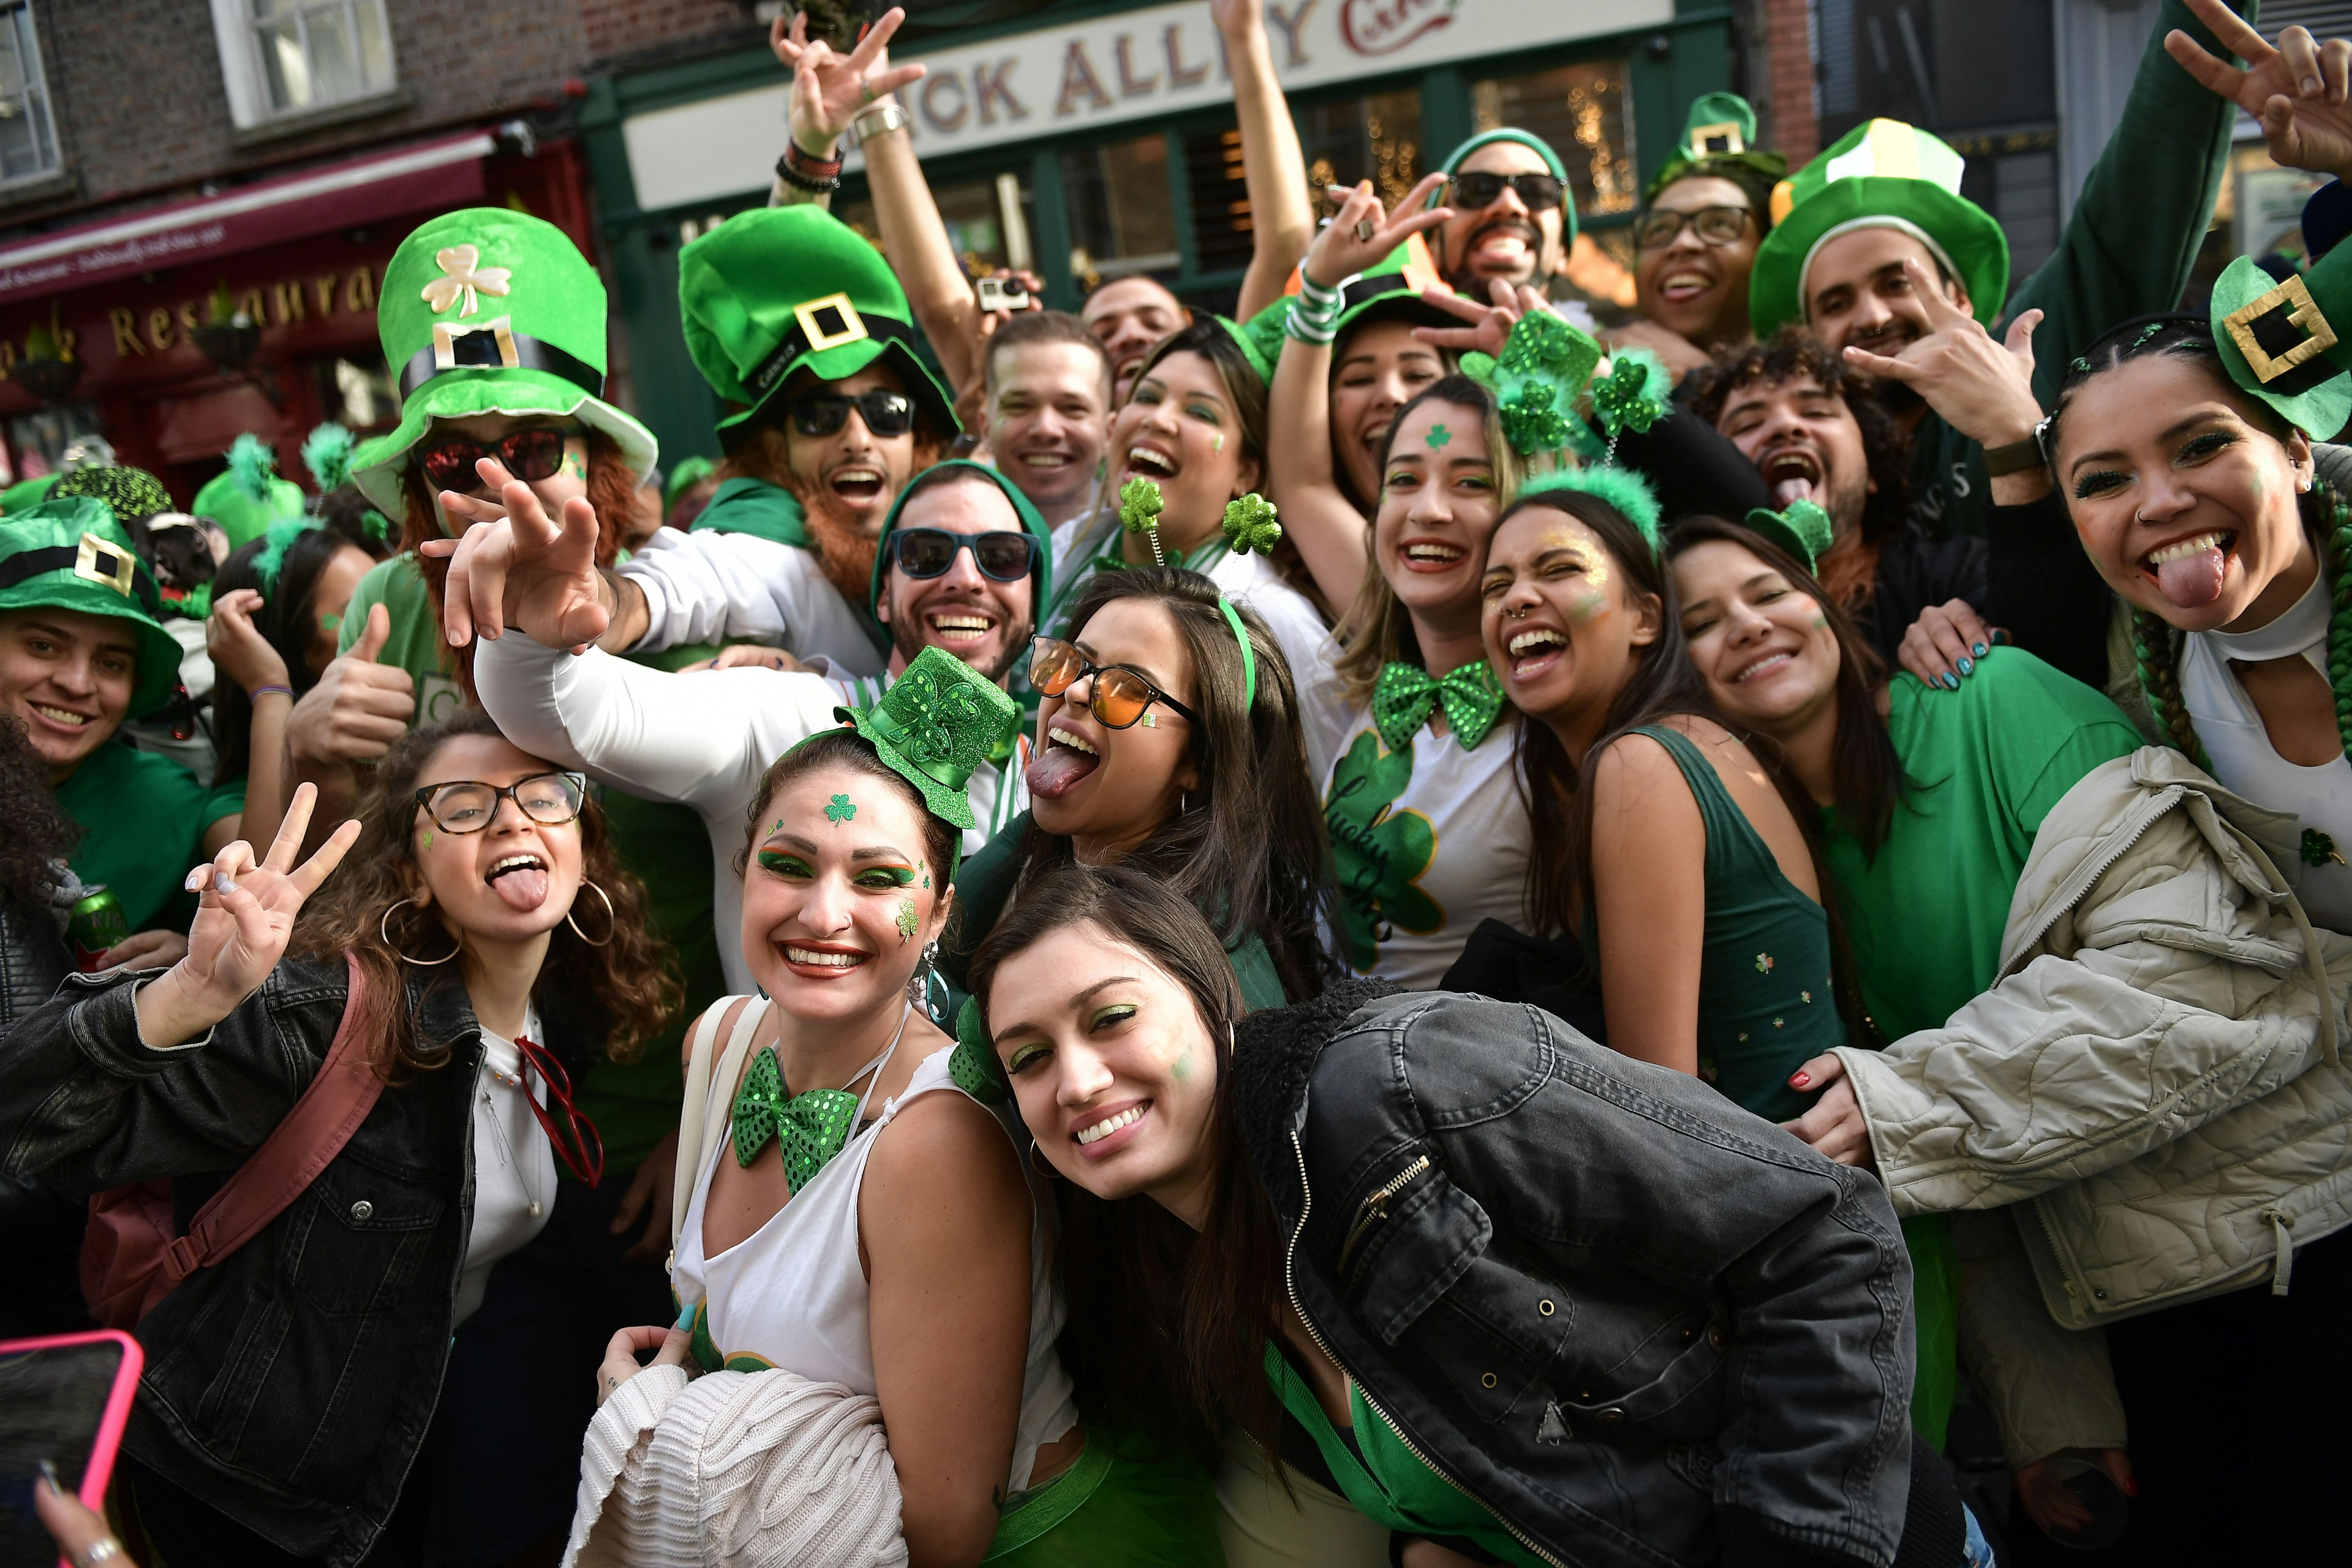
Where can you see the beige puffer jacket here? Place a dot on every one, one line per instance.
(2157, 1067)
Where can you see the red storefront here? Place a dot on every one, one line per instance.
(300, 257)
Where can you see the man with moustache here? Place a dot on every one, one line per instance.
(1046, 388)
(1514, 221)
(1130, 317)
(1864, 231)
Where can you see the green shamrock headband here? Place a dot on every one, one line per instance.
(1249, 525)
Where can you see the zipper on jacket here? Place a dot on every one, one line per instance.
(1290, 1291)
(2090, 881)
(1376, 1207)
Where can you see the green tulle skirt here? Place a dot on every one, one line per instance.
(1125, 1504)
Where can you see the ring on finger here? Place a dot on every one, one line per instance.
(105, 1548)
(1365, 230)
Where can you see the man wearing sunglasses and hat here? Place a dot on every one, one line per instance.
(1514, 221)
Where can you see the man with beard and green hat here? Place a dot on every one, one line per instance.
(1514, 213)
(964, 563)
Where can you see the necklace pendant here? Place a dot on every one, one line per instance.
(534, 1208)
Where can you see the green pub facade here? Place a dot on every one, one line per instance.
(1091, 141)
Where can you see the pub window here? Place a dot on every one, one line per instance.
(1122, 220)
(1375, 137)
(1583, 110)
(29, 142)
(282, 57)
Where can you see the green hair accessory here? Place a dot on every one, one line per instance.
(1249, 525)
(1544, 366)
(326, 453)
(1139, 503)
(270, 559)
(1626, 490)
(1803, 529)
(378, 526)
(1249, 658)
(971, 1067)
(252, 465)
(1636, 394)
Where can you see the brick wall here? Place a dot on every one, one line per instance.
(1787, 107)
(618, 29)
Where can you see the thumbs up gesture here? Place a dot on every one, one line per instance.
(359, 707)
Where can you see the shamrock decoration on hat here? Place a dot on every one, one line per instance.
(934, 725)
(1803, 529)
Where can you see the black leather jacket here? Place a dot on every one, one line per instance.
(291, 1386)
(1639, 1324)
(33, 959)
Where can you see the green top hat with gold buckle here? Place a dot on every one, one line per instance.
(70, 555)
(776, 291)
(1882, 173)
(936, 723)
(486, 311)
(1719, 143)
(2273, 340)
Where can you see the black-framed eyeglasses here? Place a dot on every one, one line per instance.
(1001, 554)
(1484, 190)
(1656, 229)
(467, 806)
(1121, 695)
(577, 1142)
(530, 456)
(824, 412)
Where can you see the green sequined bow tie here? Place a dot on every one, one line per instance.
(810, 1127)
(1405, 695)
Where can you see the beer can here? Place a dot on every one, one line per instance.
(97, 925)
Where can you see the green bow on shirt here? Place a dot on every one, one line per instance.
(810, 1126)
(1405, 695)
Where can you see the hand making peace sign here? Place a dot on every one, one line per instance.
(2298, 90)
(517, 565)
(1363, 233)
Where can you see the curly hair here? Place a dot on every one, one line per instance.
(622, 993)
(39, 831)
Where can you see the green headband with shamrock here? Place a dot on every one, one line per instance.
(1249, 525)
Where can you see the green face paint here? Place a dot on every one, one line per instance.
(1820, 620)
(428, 838)
(906, 921)
(1590, 605)
(330, 621)
(783, 865)
(1439, 436)
(1181, 1069)
(576, 461)
(840, 810)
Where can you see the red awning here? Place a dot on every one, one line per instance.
(434, 174)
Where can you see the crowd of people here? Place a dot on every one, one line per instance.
(1383, 930)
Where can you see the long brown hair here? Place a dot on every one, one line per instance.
(1167, 1329)
(620, 995)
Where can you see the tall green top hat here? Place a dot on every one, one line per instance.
(70, 555)
(486, 311)
(1882, 173)
(936, 723)
(1535, 144)
(780, 289)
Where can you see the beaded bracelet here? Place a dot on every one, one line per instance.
(258, 692)
(797, 168)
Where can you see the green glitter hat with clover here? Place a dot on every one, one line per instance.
(1547, 368)
(934, 725)
(486, 311)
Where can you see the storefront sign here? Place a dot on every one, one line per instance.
(1137, 66)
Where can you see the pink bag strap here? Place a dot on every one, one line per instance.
(296, 1151)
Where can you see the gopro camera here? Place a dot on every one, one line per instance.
(1002, 294)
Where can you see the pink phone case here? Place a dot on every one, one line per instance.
(110, 1422)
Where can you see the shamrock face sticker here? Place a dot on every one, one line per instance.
(908, 923)
(1439, 436)
(840, 810)
(1379, 853)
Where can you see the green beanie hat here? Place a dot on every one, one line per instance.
(779, 289)
(1032, 524)
(487, 311)
(71, 554)
(1882, 173)
(1542, 149)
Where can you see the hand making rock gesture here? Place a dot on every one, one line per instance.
(517, 566)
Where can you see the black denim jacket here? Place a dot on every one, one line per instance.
(291, 1386)
(1639, 1324)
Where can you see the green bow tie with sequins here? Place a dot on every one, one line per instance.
(810, 1126)
(1405, 696)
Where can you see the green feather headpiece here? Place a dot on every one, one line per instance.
(270, 559)
(326, 453)
(252, 465)
(1626, 490)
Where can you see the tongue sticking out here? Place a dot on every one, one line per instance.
(1057, 771)
(2193, 581)
(1788, 492)
(523, 889)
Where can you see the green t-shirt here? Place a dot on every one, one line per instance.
(1924, 918)
(143, 818)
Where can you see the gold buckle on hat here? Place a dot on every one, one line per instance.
(819, 338)
(446, 333)
(1702, 138)
(2318, 336)
(120, 568)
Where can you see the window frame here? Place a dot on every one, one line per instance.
(37, 83)
(237, 31)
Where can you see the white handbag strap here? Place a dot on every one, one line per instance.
(745, 1012)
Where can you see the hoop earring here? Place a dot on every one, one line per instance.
(1045, 1171)
(612, 919)
(384, 930)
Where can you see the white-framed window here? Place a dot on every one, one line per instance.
(286, 58)
(29, 140)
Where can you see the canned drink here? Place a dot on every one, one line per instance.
(97, 924)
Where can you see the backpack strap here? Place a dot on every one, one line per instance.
(738, 1018)
(300, 1146)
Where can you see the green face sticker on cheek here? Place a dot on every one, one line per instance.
(428, 838)
(575, 462)
(331, 621)
(1591, 604)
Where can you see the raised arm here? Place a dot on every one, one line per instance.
(1282, 220)
(1649, 896)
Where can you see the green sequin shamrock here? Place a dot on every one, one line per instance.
(840, 810)
(1532, 421)
(1438, 437)
(908, 923)
(2318, 848)
(1249, 525)
(1625, 401)
(1378, 853)
(1539, 341)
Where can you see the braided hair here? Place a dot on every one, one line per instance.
(2327, 517)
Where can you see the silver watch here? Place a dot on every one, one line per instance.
(880, 121)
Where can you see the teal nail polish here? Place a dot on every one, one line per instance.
(685, 1316)
(1981, 650)
(1951, 681)
(1967, 666)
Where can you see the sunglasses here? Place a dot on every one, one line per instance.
(577, 1142)
(1715, 226)
(1120, 694)
(1003, 557)
(529, 456)
(824, 413)
(1484, 190)
(464, 806)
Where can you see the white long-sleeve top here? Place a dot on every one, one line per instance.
(702, 740)
(738, 588)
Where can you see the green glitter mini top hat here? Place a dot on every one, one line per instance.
(1719, 143)
(934, 725)
(776, 291)
(1804, 529)
(486, 311)
(71, 554)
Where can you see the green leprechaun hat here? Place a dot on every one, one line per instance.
(780, 289)
(247, 496)
(70, 555)
(934, 725)
(1719, 143)
(2274, 342)
(1881, 175)
(1391, 289)
(487, 311)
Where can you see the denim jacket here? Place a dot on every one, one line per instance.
(1639, 1324)
(291, 1384)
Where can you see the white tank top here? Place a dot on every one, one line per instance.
(792, 1293)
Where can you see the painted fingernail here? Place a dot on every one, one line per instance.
(1967, 665)
(1799, 1080)
(2000, 639)
(222, 883)
(1981, 650)
(685, 1316)
(2131, 1487)
(1951, 681)
(49, 1474)
(195, 882)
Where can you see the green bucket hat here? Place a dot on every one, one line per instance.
(2273, 340)
(780, 289)
(936, 723)
(1542, 149)
(1882, 173)
(1390, 288)
(487, 311)
(1719, 143)
(71, 554)
(690, 472)
(1032, 524)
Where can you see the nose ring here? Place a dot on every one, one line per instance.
(1515, 615)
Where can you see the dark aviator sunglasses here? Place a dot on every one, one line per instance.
(885, 414)
(1484, 190)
